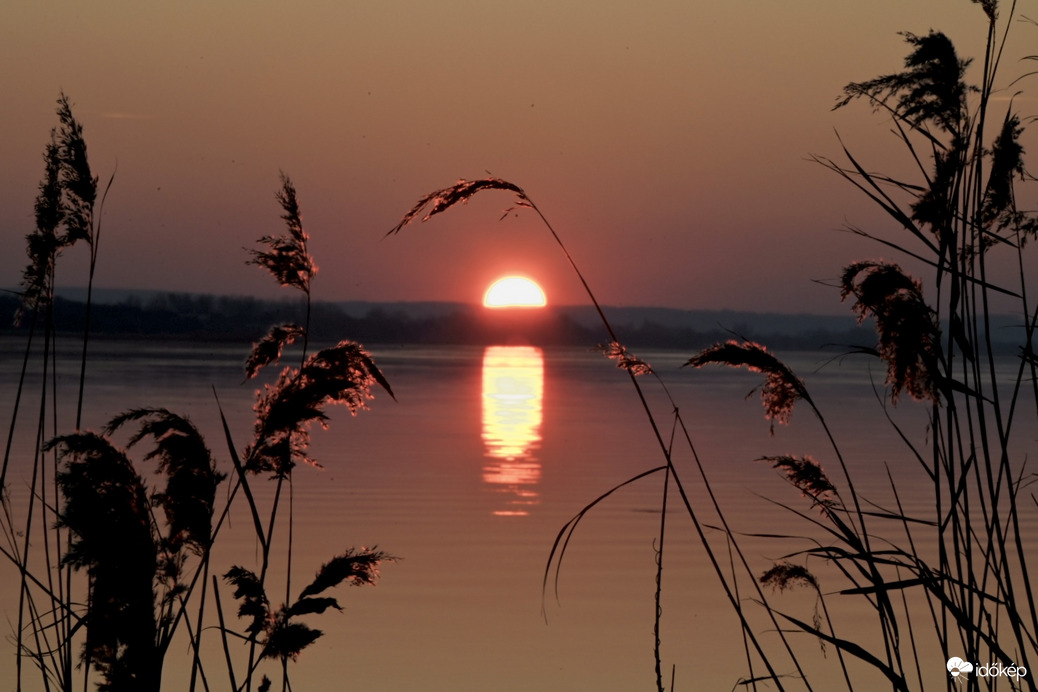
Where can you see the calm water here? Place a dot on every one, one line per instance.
(469, 476)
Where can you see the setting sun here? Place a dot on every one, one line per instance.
(514, 291)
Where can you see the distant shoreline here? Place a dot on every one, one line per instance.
(190, 316)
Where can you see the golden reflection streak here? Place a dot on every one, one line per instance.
(513, 398)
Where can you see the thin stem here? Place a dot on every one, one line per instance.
(670, 467)
(659, 568)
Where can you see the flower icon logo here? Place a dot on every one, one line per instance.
(957, 667)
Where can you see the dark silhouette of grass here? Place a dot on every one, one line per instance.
(65, 216)
(442, 200)
(343, 374)
(977, 593)
(144, 547)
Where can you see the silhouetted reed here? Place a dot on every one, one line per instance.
(145, 545)
(634, 367)
(781, 387)
(65, 215)
(268, 349)
(909, 339)
(344, 375)
(978, 588)
(975, 598)
(135, 565)
(805, 474)
(279, 632)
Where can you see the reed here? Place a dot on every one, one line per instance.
(976, 598)
(343, 374)
(113, 567)
(440, 201)
(65, 216)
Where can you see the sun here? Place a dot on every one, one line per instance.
(514, 292)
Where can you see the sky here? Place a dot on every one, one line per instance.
(668, 141)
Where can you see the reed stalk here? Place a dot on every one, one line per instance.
(441, 200)
(978, 591)
(144, 549)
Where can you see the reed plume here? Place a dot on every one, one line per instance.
(441, 200)
(189, 497)
(108, 514)
(286, 256)
(625, 360)
(343, 374)
(134, 565)
(781, 387)
(909, 339)
(64, 208)
(931, 89)
(268, 349)
(784, 575)
(805, 474)
(43, 243)
(253, 601)
(279, 632)
(999, 216)
(78, 184)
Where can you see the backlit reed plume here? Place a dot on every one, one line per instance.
(906, 326)
(342, 374)
(286, 256)
(781, 387)
(441, 200)
(625, 360)
(268, 349)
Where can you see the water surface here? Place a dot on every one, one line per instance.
(468, 478)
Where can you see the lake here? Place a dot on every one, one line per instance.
(469, 476)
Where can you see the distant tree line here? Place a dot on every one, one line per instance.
(243, 319)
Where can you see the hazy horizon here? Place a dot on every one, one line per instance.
(668, 143)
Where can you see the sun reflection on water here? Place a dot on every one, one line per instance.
(513, 397)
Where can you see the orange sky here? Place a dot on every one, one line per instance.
(667, 141)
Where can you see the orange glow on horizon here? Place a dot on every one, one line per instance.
(513, 292)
